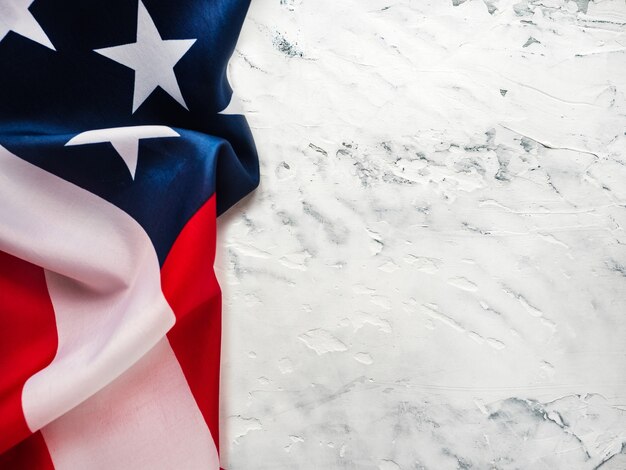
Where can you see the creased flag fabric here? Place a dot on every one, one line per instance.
(120, 144)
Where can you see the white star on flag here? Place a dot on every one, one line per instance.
(15, 16)
(152, 58)
(234, 106)
(124, 139)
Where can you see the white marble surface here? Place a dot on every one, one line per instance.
(432, 274)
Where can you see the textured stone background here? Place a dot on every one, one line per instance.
(432, 274)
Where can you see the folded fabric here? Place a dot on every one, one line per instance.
(118, 150)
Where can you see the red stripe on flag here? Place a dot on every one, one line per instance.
(28, 343)
(190, 287)
(32, 453)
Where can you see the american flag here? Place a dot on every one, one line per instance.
(120, 144)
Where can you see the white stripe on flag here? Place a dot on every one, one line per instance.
(120, 427)
(103, 278)
(104, 281)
